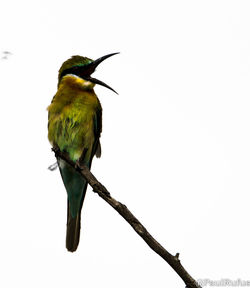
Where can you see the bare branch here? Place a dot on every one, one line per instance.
(173, 261)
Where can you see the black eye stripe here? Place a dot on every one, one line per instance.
(72, 70)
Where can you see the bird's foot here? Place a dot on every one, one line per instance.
(78, 165)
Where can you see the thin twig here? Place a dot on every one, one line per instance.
(173, 261)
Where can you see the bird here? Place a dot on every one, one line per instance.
(74, 127)
(6, 54)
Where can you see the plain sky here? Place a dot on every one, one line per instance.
(175, 141)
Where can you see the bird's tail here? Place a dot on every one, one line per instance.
(76, 189)
(73, 230)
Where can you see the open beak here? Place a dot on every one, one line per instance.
(90, 68)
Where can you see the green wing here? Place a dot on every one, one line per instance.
(97, 131)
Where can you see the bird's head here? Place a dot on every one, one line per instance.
(83, 67)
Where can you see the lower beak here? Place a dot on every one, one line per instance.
(96, 81)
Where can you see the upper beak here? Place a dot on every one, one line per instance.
(90, 68)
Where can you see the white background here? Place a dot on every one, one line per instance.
(175, 142)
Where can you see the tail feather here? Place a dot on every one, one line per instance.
(76, 189)
(73, 231)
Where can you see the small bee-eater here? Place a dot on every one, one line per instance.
(74, 127)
